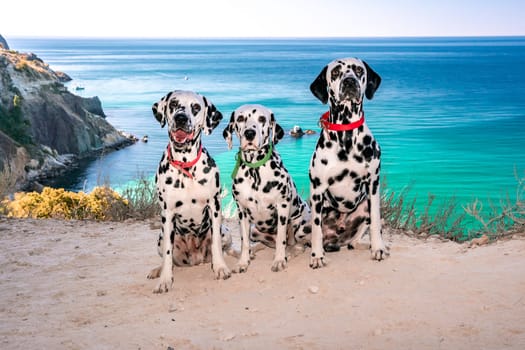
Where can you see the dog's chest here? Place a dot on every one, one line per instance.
(346, 169)
(358, 150)
(261, 190)
(182, 192)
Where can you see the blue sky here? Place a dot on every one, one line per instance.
(261, 18)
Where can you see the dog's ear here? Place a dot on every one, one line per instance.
(213, 116)
(373, 80)
(228, 131)
(159, 111)
(319, 87)
(277, 131)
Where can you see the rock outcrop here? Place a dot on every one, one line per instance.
(3, 43)
(43, 126)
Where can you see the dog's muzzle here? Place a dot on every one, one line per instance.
(249, 140)
(350, 89)
(249, 134)
(181, 132)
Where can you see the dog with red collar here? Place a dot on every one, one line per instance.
(188, 189)
(345, 166)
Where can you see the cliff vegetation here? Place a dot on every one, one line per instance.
(44, 128)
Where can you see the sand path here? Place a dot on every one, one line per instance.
(82, 285)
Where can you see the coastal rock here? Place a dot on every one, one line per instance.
(484, 239)
(15, 157)
(3, 43)
(42, 122)
(63, 77)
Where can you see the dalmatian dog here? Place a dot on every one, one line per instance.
(265, 194)
(344, 169)
(188, 189)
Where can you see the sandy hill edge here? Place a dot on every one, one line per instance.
(82, 285)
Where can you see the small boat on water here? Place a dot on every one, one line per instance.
(297, 131)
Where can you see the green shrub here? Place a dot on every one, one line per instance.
(13, 124)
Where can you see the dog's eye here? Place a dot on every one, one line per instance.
(174, 104)
(262, 119)
(359, 71)
(335, 72)
(240, 119)
(195, 108)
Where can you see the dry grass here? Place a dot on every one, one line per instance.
(142, 199)
(442, 219)
(503, 218)
(449, 220)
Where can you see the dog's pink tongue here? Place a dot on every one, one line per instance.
(180, 136)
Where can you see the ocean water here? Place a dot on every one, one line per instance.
(449, 114)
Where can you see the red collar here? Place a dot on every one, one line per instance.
(325, 124)
(184, 166)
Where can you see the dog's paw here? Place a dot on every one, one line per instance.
(380, 253)
(279, 265)
(242, 266)
(317, 260)
(165, 284)
(222, 272)
(155, 273)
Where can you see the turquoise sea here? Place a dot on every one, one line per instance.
(449, 115)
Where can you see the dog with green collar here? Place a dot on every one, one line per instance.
(269, 208)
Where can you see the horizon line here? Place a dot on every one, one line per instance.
(258, 37)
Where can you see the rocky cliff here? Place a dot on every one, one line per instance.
(43, 126)
(3, 43)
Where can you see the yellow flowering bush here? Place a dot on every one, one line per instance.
(101, 204)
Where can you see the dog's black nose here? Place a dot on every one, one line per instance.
(350, 88)
(350, 84)
(249, 134)
(181, 119)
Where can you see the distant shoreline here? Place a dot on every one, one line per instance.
(264, 38)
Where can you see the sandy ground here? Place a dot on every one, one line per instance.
(82, 285)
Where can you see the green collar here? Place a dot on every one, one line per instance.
(239, 160)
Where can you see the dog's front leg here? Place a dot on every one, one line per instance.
(377, 246)
(283, 220)
(166, 272)
(317, 259)
(244, 260)
(218, 264)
